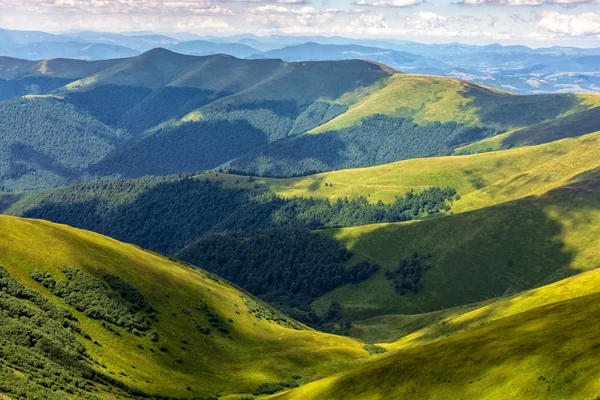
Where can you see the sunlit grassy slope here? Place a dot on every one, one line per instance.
(206, 365)
(548, 352)
(428, 99)
(527, 216)
(576, 124)
(541, 343)
(481, 179)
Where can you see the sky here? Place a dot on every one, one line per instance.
(536, 23)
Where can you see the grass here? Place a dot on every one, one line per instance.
(537, 344)
(527, 216)
(429, 99)
(531, 355)
(208, 365)
(482, 180)
(576, 124)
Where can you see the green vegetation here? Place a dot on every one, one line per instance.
(539, 343)
(438, 99)
(409, 273)
(127, 209)
(45, 141)
(120, 304)
(378, 139)
(163, 113)
(50, 349)
(274, 387)
(287, 267)
(573, 125)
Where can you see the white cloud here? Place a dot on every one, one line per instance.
(283, 16)
(376, 21)
(180, 7)
(388, 3)
(579, 25)
(526, 3)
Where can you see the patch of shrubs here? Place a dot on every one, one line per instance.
(274, 387)
(373, 349)
(214, 319)
(409, 273)
(119, 304)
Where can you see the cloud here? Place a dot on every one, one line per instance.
(134, 6)
(577, 25)
(508, 3)
(180, 7)
(493, 20)
(526, 3)
(376, 21)
(388, 3)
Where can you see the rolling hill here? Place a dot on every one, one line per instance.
(517, 347)
(399, 60)
(518, 223)
(139, 323)
(576, 124)
(172, 113)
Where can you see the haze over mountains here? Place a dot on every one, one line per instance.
(513, 68)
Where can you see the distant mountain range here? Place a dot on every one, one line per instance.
(518, 69)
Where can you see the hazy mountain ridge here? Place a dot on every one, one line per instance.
(514, 68)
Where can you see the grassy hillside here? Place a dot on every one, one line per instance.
(428, 99)
(519, 346)
(526, 216)
(531, 355)
(518, 222)
(173, 356)
(576, 124)
(480, 179)
(179, 113)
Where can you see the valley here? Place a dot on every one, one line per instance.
(200, 226)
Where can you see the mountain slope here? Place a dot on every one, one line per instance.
(205, 339)
(519, 222)
(203, 48)
(73, 50)
(177, 113)
(528, 356)
(576, 124)
(398, 60)
(516, 346)
(444, 99)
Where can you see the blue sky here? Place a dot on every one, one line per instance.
(537, 23)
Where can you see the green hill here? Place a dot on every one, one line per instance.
(516, 225)
(577, 124)
(439, 99)
(177, 113)
(537, 344)
(138, 323)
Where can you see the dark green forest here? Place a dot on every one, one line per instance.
(287, 267)
(378, 139)
(168, 213)
(44, 135)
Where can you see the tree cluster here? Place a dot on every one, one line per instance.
(407, 277)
